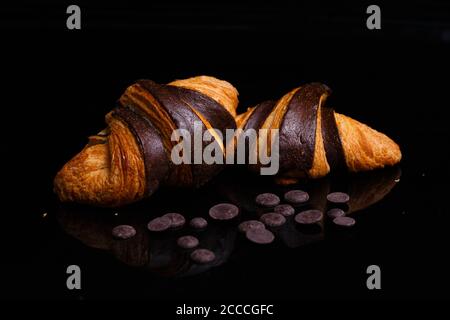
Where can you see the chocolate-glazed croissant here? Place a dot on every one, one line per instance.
(313, 139)
(131, 158)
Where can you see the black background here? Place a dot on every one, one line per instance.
(58, 85)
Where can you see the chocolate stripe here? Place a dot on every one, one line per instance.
(210, 109)
(298, 129)
(214, 113)
(152, 149)
(144, 102)
(332, 141)
(256, 120)
(140, 98)
(259, 115)
(184, 118)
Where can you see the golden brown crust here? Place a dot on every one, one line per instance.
(365, 148)
(221, 91)
(106, 174)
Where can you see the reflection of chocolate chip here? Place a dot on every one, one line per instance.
(223, 211)
(187, 242)
(309, 217)
(176, 219)
(335, 212)
(202, 256)
(250, 224)
(159, 224)
(296, 196)
(344, 221)
(273, 219)
(260, 236)
(284, 209)
(267, 200)
(123, 231)
(198, 223)
(309, 229)
(338, 197)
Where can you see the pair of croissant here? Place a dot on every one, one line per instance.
(130, 159)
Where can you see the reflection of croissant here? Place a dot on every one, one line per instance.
(131, 158)
(313, 139)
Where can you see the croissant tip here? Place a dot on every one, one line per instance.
(83, 179)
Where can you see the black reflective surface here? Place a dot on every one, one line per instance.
(323, 261)
(158, 252)
(58, 85)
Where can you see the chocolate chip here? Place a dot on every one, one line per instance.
(176, 219)
(344, 221)
(123, 231)
(267, 200)
(187, 242)
(250, 224)
(309, 217)
(159, 224)
(202, 256)
(198, 223)
(296, 196)
(260, 236)
(338, 197)
(223, 211)
(284, 209)
(273, 219)
(335, 212)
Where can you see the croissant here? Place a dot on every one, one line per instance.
(313, 139)
(130, 159)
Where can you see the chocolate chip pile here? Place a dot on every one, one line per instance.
(256, 231)
(274, 215)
